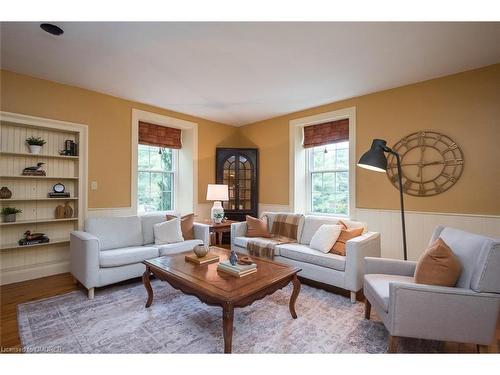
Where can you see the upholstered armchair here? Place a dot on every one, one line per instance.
(466, 313)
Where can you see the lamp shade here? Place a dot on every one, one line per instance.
(374, 159)
(217, 192)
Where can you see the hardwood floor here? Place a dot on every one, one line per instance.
(13, 294)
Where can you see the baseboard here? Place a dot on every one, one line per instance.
(10, 276)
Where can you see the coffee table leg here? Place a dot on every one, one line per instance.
(227, 320)
(147, 284)
(295, 294)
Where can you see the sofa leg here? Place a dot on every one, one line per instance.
(393, 344)
(91, 293)
(353, 297)
(368, 309)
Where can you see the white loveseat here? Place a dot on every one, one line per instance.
(111, 249)
(345, 272)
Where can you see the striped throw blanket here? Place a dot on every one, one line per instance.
(284, 230)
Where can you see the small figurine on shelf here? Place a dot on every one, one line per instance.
(36, 170)
(33, 238)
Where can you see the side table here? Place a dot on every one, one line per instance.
(216, 230)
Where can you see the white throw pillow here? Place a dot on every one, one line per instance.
(325, 237)
(168, 232)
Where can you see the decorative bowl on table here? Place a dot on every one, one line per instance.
(201, 250)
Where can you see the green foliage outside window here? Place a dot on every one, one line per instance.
(329, 173)
(155, 178)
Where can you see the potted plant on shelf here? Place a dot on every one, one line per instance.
(9, 214)
(35, 144)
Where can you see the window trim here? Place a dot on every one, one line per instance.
(174, 172)
(309, 172)
(297, 158)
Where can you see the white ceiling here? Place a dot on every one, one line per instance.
(238, 73)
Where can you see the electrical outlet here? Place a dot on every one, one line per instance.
(93, 185)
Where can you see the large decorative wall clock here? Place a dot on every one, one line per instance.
(431, 163)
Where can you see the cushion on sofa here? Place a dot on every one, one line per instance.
(148, 221)
(257, 227)
(242, 242)
(179, 247)
(126, 255)
(304, 253)
(346, 234)
(313, 222)
(115, 232)
(377, 286)
(168, 232)
(325, 237)
(187, 225)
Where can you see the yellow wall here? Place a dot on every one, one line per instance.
(464, 106)
(109, 122)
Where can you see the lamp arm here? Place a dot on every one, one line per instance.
(398, 161)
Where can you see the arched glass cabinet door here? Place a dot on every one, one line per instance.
(237, 168)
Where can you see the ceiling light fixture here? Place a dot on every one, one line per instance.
(52, 29)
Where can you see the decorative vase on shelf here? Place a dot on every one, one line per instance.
(5, 193)
(68, 210)
(34, 149)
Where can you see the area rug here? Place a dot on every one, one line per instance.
(116, 321)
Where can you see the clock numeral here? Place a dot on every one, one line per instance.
(451, 147)
(407, 185)
(454, 162)
(448, 177)
(421, 189)
(437, 188)
(438, 138)
(421, 139)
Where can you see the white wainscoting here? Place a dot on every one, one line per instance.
(265, 207)
(419, 228)
(111, 212)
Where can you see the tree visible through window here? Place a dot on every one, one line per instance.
(156, 178)
(328, 178)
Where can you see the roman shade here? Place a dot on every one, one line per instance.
(326, 133)
(160, 136)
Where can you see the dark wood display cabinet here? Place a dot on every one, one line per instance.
(238, 168)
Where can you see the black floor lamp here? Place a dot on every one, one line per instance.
(375, 160)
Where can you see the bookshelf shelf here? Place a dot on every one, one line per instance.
(39, 177)
(38, 199)
(10, 246)
(39, 221)
(38, 156)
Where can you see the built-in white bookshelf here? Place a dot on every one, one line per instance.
(30, 194)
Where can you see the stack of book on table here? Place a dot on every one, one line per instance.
(238, 270)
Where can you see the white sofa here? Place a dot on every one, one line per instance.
(345, 272)
(111, 249)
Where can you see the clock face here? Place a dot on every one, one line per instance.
(431, 163)
(58, 188)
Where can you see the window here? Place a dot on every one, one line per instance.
(328, 178)
(156, 167)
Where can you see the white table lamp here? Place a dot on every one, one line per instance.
(217, 193)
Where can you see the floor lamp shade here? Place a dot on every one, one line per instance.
(217, 193)
(375, 159)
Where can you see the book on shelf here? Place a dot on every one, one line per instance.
(209, 258)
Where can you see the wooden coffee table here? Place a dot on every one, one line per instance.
(219, 289)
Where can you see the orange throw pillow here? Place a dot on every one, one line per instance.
(257, 227)
(438, 266)
(345, 235)
(187, 225)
